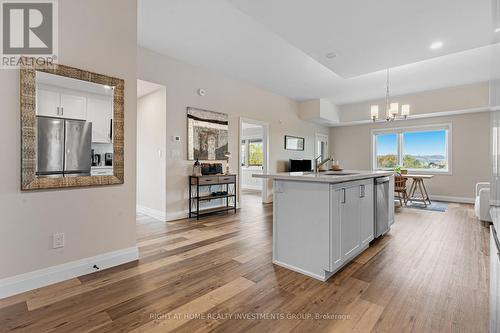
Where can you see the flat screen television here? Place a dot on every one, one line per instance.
(300, 165)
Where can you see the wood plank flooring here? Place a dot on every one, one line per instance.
(429, 274)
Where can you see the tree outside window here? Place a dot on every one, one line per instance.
(252, 152)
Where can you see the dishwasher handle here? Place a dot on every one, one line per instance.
(382, 180)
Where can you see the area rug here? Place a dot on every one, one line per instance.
(437, 206)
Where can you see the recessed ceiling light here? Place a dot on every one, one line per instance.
(497, 30)
(331, 55)
(436, 45)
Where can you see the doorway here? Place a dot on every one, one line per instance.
(253, 159)
(321, 146)
(151, 150)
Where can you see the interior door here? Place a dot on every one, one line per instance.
(73, 106)
(367, 218)
(48, 103)
(350, 221)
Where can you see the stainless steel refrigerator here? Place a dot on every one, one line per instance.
(64, 147)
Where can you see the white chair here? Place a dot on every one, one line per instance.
(482, 204)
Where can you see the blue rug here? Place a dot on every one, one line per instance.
(437, 206)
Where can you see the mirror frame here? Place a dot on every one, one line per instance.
(29, 181)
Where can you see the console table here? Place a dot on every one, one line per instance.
(226, 191)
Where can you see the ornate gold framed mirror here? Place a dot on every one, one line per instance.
(72, 124)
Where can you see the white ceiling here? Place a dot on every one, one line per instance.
(144, 88)
(368, 36)
(265, 43)
(74, 84)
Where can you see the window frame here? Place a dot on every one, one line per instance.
(421, 128)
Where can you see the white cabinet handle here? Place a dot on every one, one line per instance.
(343, 196)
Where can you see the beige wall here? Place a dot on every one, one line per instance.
(151, 147)
(470, 151)
(450, 99)
(236, 98)
(95, 220)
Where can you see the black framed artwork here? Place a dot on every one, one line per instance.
(294, 142)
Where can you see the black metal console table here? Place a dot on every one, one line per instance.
(228, 193)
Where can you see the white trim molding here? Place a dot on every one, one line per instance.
(156, 214)
(43, 277)
(418, 116)
(447, 198)
(265, 152)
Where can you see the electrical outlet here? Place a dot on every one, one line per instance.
(57, 241)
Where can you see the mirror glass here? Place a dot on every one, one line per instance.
(74, 127)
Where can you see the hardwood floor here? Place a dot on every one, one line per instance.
(429, 274)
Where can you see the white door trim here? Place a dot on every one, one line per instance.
(265, 152)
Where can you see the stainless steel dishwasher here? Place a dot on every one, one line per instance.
(382, 205)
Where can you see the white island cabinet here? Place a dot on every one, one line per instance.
(322, 222)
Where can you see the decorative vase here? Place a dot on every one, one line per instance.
(197, 169)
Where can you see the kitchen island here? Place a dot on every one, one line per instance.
(322, 221)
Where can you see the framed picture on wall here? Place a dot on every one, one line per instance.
(294, 143)
(207, 135)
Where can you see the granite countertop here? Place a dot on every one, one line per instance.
(325, 176)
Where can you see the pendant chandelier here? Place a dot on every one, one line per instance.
(391, 109)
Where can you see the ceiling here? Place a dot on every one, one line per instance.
(280, 45)
(367, 36)
(74, 84)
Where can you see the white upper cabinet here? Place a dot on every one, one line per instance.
(73, 106)
(100, 114)
(48, 103)
(61, 103)
(65, 103)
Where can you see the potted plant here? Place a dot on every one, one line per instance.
(400, 170)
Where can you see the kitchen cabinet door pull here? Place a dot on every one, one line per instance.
(343, 195)
(361, 191)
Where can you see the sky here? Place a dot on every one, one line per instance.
(415, 143)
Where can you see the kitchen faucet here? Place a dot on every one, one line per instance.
(318, 163)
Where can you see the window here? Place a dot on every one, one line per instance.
(387, 151)
(252, 153)
(417, 149)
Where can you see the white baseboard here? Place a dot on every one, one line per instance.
(252, 187)
(156, 214)
(43, 277)
(453, 199)
(180, 215)
(301, 271)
